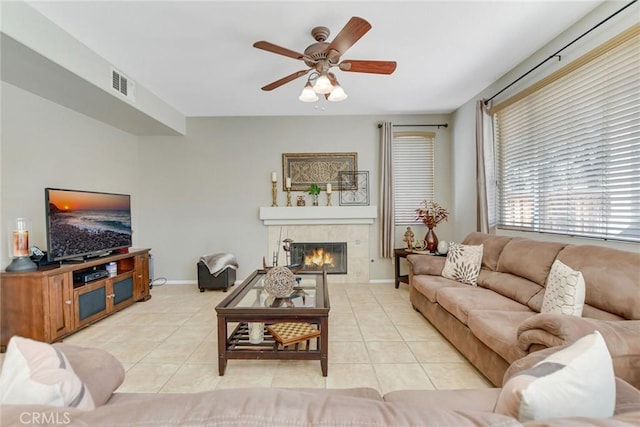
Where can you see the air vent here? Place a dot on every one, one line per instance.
(122, 84)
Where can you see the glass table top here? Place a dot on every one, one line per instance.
(307, 293)
(303, 294)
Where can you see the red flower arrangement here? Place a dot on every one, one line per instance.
(431, 213)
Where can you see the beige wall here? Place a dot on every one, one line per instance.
(46, 145)
(200, 193)
(191, 195)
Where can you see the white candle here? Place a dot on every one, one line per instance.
(274, 177)
(328, 188)
(288, 182)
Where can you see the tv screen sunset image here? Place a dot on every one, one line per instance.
(82, 223)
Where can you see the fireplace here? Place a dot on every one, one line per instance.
(331, 256)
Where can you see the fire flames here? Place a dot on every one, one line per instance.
(319, 258)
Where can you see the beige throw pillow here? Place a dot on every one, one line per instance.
(463, 263)
(35, 372)
(564, 291)
(577, 381)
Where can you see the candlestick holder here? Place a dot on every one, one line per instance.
(288, 196)
(274, 194)
(328, 199)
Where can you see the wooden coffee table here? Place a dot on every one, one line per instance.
(250, 303)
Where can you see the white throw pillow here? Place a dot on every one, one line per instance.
(577, 381)
(35, 372)
(564, 291)
(463, 263)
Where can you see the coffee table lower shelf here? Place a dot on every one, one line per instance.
(239, 347)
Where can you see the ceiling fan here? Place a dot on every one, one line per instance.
(322, 56)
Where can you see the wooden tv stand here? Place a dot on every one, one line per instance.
(47, 305)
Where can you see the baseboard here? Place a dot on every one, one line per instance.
(381, 281)
(181, 282)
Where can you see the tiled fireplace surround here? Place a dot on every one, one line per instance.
(321, 224)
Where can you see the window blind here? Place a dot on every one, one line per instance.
(413, 173)
(568, 154)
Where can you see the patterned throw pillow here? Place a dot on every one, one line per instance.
(577, 381)
(35, 372)
(564, 292)
(463, 263)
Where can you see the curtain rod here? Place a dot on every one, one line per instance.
(557, 54)
(443, 125)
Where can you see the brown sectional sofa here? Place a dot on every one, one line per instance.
(363, 407)
(499, 321)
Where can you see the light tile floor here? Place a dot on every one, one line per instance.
(169, 344)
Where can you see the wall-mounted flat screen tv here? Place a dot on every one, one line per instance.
(84, 224)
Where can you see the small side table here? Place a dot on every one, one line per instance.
(400, 253)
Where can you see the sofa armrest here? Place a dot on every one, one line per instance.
(547, 330)
(426, 264)
(552, 330)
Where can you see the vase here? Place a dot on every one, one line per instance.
(314, 199)
(256, 332)
(431, 240)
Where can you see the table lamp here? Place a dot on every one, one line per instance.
(19, 246)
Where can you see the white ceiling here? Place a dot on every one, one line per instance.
(198, 55)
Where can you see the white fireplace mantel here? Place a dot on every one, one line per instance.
(313, 215)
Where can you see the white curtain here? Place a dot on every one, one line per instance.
(485, 182)
(387, 213)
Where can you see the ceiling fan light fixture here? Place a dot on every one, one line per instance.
(337, 94)
(308, 95)
(323, 84)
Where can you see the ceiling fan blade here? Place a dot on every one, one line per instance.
(351, 33)
(286, 79)
(364, 66)
(270, 47)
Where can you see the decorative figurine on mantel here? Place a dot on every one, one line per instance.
(408, 237)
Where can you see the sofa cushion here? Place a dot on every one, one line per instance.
(596, 313)
(265, 408)
(359, 392)
(530, 259)
(463, 263)
(564, 292)
(612, 278)
(577, 381)
(430, 285)
(460, 301)
(462, 399)
(498, 330)
(35, 372)
(492, 247)
(99, 370)
(514, 287)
